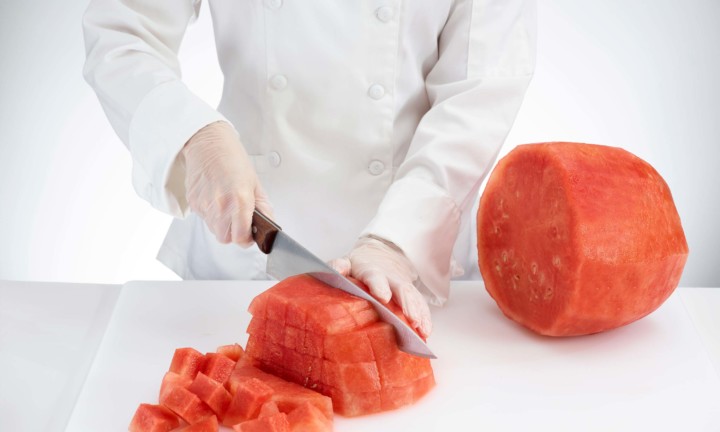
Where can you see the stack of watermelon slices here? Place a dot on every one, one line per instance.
(200, 392)
(329, 341)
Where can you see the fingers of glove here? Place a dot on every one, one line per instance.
(341, 265)
(414, 306)
(241, 225)
(378, 285)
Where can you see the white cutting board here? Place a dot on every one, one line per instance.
(492, 375)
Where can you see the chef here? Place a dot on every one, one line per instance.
(363, 127)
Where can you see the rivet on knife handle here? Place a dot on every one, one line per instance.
(264, 231)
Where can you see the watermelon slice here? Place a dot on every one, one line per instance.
(329, 341)
(153, 418)
(576, 239)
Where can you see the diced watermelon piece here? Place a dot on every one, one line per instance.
(348, 347)
(153, 418)
(172, 380)
(209, 424)
(352, 377)
(274, 423)
(218, 366)
(249, 395)
(268, 409)
(576, 239)
(187, 362)
(286, 394)
(257, 306)
(307, 418)
(187, 405)
(212, 393)
(233, 352)
(355, 404)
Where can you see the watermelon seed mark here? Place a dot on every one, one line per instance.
(556, 261)
(505, 256)
(548, 293)
(534, 268)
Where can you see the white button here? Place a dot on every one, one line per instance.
(376, 91)
(385, 13)
(273, 159)
(273, 4)
(278, 82)
(376, 167)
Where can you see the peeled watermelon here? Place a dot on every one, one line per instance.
(576, 239)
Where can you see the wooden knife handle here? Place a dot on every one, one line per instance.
(264, 231)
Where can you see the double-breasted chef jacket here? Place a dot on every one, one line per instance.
(361, 117)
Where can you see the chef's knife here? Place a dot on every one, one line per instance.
(286, 258)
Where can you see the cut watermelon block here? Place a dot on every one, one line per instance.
(306, 418)
(274, 423)
(209, 424)
(249, 396)
(233, 352)
(187, 362)
(172, 380)
(153, 418)
(352, 377)
(268, 409)
(218, 367)
(576, 239)
(287, 395)
(343, 351)
(212, 393)
(187, 405)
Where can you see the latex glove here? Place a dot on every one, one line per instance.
(387, 272)
(221, 184)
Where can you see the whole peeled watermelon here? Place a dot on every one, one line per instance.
(576, 238)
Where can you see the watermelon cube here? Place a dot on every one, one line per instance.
(187, 362)
(274, 423)
(172, 380)
(210, 424)
(249, 395)
(153, 418)
(218, 367)
(357, 377)
(212, 393)
(268, 409)
(187, 405)
(233, 352)
(306, 418)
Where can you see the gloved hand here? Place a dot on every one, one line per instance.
(387, 272)
(221, 184)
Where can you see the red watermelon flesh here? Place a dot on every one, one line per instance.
(269, 408)
(576, 239)
(249, 395)
(153, 418)
(187, 362)
(187, 405)
(307, 418)
(209, 424)
(212, 393)
(217, 366)
(332, 342)
(233, 351)
(274, 423)
(172, 380)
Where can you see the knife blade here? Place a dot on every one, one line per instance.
(287, 257)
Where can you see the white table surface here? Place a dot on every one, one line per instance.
(50, 335)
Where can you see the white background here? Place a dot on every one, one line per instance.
(634, 74)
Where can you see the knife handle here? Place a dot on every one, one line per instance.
(264, 231)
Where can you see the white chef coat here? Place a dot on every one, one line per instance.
(362, 117)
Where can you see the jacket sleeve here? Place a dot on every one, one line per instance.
(131, 63)
(485, 63)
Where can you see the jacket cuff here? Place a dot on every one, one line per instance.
(422, 220)
(164, 121)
